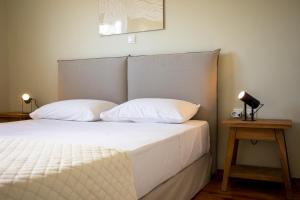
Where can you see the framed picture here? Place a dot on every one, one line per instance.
(129, 16)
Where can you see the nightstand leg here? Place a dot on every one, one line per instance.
(235, 152)
(229, 155)
(279, 134)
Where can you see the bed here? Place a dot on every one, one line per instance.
(169, 161)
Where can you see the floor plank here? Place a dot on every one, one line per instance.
(245, 190)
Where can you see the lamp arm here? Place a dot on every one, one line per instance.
(260, 106)
(35, 103)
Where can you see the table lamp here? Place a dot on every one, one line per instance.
(27, 99)
(250, 101)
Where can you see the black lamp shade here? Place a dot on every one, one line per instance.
(249, 100)
(28, 101)
(26, 98)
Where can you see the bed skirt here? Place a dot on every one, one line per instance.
(186, 184)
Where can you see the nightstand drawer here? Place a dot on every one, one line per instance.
(255, 134)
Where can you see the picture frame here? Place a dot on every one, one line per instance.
(130, 16)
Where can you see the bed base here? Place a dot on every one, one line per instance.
(186, 184)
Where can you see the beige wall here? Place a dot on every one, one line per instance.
(259, 40)
(3, 58)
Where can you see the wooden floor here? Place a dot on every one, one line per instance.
(245, 190)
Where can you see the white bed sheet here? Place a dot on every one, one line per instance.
(158, 151)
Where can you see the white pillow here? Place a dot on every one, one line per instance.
(73, 110)
(152, 110)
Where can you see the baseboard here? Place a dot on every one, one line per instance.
(295, 181)
(218, 174)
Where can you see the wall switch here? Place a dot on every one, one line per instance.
(237, 113)
(131, 39)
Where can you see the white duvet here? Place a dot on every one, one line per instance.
(158, 151)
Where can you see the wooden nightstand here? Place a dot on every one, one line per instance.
(268, 130)
(13, 116)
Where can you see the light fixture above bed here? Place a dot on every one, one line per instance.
(27, 99)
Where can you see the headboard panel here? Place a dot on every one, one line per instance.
(189, 76)
(102, 78)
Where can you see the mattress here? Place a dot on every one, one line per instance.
(158, 151)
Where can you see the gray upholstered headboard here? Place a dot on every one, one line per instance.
(188, 76)
(101, 78)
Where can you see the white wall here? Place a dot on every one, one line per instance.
(3, 58)
(259, 40)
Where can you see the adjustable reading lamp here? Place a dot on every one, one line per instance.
(28, 100)
(250, 101)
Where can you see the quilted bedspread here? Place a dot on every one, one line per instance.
(32, 170)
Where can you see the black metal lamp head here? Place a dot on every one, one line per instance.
(250, 101)
(26, 98)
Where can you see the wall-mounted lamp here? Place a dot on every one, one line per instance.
(27, 99)
(250, 101)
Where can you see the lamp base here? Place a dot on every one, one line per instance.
(245, 113)
(23, 110)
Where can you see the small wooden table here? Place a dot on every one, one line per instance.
(262, 129)
(13, 116)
